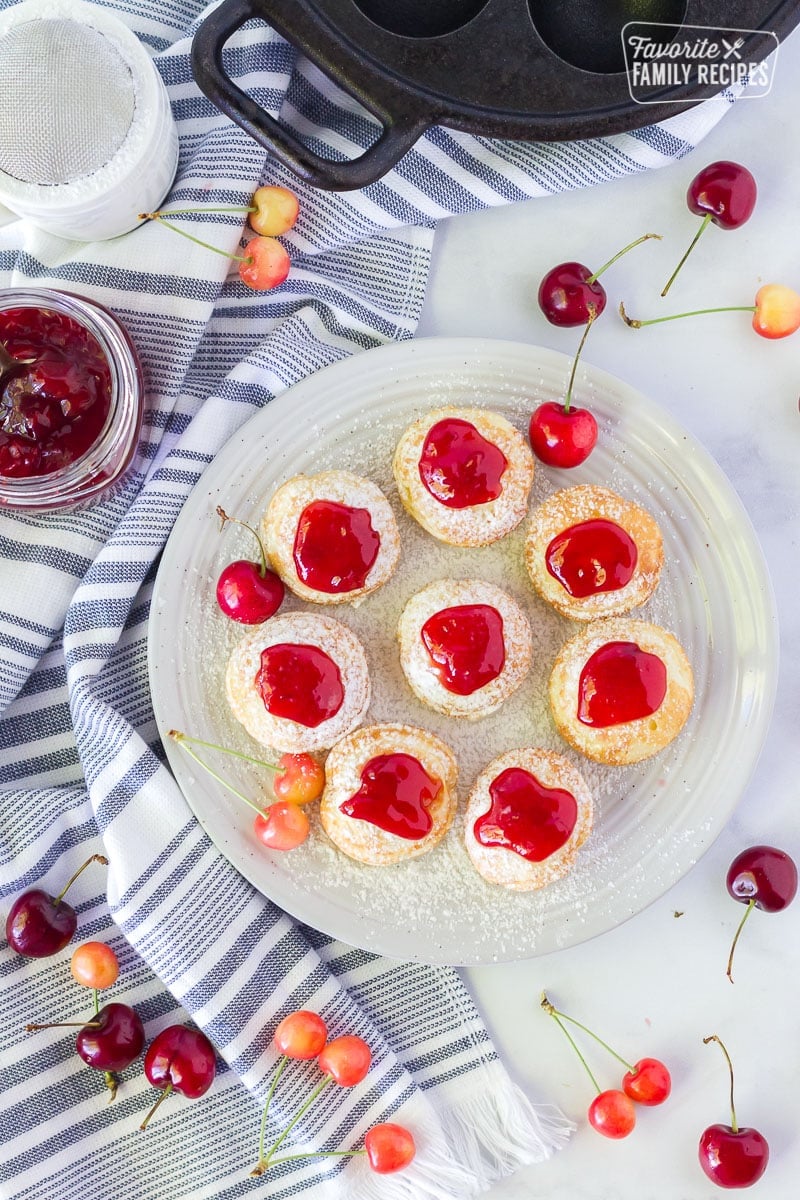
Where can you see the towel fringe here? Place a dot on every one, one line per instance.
(486, 1137)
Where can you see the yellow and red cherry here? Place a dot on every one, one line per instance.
(299, 779)
(265, 265)
(273, 210)
(346, 1060)
(647, 1082)
(179, 1059)
(612, 1113)
(94, 965)
(563, 435)
(301, 1035)
(389, 1148)
(39, 924)
(761, 877)
(732, 1156)
(724, 193)
(776, 312)
(248, 592)
(570, 292)
(282, 826)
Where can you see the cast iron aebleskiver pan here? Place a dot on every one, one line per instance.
(548, 70)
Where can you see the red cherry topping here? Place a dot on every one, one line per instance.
(593, 556)
(395, 795)
(532, 820)
(619, 683)
(569, 292)
(335, 546)
(466, 646)
(562, 438)
(389, 1148)
(54, 407)
(299, 683)
(459, 466)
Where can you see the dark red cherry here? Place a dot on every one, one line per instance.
(725, 191)
(112, 1039)
(248, 594)
(760, 877)
(562, 438)
(179, 1059)
(567, 297)
(39, 924)
(732, 1156)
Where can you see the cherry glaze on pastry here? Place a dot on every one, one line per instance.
(466, 646)
(299, 683)
(592, 556)
(532, 820)
(335, 546)
(459, 466)
(396, 794)
(620, 683)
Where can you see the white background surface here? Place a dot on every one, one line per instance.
(657, 985)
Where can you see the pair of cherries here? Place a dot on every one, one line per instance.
(612, 1113)
(723, 193)
(344, 1060)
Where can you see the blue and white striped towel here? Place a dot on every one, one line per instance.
(80, 762)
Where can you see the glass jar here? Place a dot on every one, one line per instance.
(90, 432)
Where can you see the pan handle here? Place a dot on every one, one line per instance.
(397, 137)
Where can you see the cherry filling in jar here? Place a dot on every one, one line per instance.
(593, 556)
(459, 466)
(619, 683)
(71, 398)
(396, 794)
(466, 646)
(532, 820)
(335, 546)
(299, 683)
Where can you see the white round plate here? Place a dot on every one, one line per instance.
(652, 821)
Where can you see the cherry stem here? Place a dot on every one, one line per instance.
(694, 242)
(63, 1025)
(224, 518)
(276, 1162)
(581, 344)
(181, 740)
(96, 1001)
(240, 258)
(300, 1112)
(698, 312)
(261, 1165)
(750, 906)
(112, 1083)
(714, 1038)
(160, 1100)
(553, 1012)
(179, 737)
(644, 238)
(190, 212)
(101, 858)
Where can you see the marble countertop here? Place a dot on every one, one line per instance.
(657, 985)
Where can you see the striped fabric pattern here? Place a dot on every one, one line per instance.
(81, 766)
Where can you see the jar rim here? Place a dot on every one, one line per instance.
(67, 484)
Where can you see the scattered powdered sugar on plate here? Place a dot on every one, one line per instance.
(652, 820)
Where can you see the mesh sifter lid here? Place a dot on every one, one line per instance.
(67, 101)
